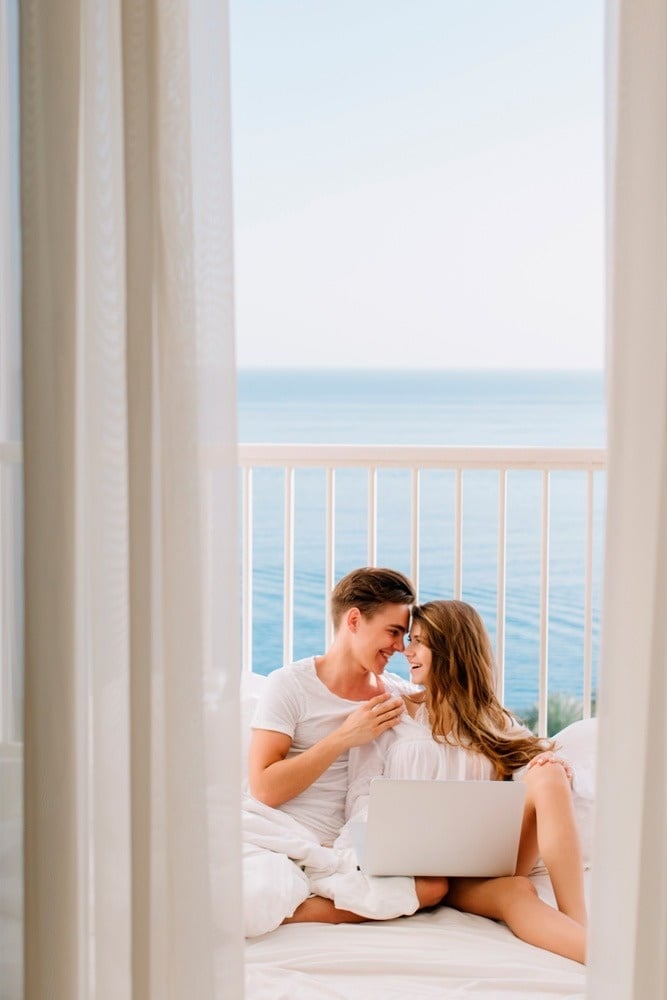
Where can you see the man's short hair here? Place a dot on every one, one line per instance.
(369, 589)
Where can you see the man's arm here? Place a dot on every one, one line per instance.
(273, 779)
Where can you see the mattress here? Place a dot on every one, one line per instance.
(442, 953)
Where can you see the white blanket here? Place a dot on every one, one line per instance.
(284, 863)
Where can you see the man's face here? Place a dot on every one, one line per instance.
(376, 639)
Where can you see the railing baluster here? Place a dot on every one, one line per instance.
(414, 530)
(247, 570)
(330, 557)
(372, 517)
(588, 599)
(501, 584)
(542, 721)
(458, 533)
(288, 577)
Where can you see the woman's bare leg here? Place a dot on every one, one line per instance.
(514, 900)
(316, 909)
(550, 829)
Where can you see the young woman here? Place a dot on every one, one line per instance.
(474, 736)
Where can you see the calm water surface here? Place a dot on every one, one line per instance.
(457, 408)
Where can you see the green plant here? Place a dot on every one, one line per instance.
(562, 709)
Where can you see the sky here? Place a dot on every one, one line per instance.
(418, 183)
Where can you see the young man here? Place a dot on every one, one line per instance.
(312, 712)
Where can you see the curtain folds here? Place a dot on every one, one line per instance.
(629, 904)
(132, 844)
(11, 520)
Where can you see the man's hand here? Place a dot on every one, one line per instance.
(371, 719)
(273, 779)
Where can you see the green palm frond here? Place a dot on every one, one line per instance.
(562, 709)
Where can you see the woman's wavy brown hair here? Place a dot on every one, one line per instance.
(460, 688)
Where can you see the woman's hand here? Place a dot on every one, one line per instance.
(549, 757)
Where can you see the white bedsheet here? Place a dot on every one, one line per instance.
(443, 954)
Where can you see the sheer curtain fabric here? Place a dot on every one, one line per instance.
(11, 520)
(629, 904)
(131, 752)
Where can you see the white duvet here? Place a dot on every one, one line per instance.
(283, 863)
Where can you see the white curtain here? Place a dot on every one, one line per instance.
(11, 520)
(629, 904)
(132, 840)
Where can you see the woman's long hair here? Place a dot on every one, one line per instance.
(460, 695)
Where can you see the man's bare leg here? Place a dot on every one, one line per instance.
(316, 909)
(431, 890)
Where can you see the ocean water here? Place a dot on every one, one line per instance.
(431, 407)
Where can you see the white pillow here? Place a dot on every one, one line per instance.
(251, 686)
(578, 744)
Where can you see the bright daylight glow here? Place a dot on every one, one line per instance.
(418, 183)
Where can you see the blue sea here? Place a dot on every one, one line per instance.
(503, 408)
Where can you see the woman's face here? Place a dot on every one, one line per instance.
(418, 656)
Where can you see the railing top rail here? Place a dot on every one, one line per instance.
(389, 456)
(415, 456)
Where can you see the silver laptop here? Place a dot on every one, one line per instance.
(441, 828)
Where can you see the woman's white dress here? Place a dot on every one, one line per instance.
(409, 751)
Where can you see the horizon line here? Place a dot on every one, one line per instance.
(374, 369)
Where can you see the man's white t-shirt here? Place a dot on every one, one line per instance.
(294, 701)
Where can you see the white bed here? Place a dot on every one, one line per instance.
(443, 953)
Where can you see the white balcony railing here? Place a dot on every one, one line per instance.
(462, 464)
(409, 507)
